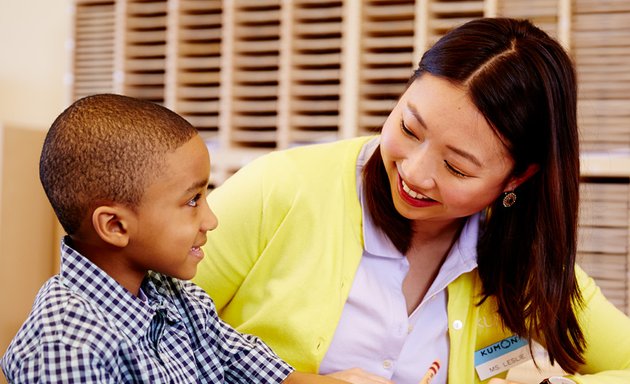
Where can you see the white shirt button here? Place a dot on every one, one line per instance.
(457, 324)
(387, 364)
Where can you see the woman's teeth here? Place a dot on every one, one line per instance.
(413, 193)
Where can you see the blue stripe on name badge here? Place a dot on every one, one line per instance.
(501, 356)
(499, 348)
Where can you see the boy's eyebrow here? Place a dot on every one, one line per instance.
(199, 184)
(460, 152)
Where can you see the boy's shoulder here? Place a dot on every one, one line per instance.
(60, 318)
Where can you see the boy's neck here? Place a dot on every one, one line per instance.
(108, 258)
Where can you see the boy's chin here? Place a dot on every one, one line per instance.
(183, 274)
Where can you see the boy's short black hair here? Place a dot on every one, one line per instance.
(106, 148)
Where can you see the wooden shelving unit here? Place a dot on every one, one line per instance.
(258, 75)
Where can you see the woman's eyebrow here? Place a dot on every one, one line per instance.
(466, 155)
(416, 115)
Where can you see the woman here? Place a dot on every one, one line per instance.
(446, 238)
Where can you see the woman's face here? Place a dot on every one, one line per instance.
(443, 160)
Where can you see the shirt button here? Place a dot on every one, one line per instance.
(457, 324)
(409, 328)
(387, 364)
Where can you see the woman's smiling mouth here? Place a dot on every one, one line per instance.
(412, 193)
(413, 198)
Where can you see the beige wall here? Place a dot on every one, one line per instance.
(33, 60)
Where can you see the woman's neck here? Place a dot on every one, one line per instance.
(429, 231)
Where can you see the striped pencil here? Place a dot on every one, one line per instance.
(431, 372)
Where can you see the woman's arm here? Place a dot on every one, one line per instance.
(232, 248)
(607, 333)
(354, 376)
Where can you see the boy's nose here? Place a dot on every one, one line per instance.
(210, 221)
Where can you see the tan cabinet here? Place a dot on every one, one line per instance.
(27, 227)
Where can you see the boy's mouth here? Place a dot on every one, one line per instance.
(196, 252)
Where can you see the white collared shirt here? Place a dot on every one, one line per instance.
(374, 332)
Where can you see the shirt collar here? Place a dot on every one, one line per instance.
(131, 314)
(375, 241)
(462, 257)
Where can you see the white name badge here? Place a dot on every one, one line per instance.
(501, 356)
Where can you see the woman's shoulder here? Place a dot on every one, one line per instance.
(337, 152)
(308, 174)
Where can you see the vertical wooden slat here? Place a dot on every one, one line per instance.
(285, 74)
(120, 38)
(93, 48)
(145, 49)
(386, 61)
(221, 146)
(421, 28)
(195, 71)
(70, 54)
(350, 59)
(256, 69)
(490, 8)
(171, 66)
(565, 11)
(315, 49)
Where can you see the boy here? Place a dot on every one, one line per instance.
(127, 180)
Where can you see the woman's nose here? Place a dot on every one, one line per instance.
(420, 168)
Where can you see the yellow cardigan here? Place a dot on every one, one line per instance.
(282, 260)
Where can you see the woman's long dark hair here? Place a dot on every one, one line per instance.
(524, 84)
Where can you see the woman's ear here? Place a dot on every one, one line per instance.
(515, 181)
(111, 223)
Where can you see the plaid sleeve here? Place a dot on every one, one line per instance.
(250, 360)
(59, 363)
(233, 356)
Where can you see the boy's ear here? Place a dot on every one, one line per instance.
(111, 223)
(515, 181)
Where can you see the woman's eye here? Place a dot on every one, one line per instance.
(194, 201)
(454, 170)
(406, 130)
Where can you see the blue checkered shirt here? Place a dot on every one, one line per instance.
(86, 328)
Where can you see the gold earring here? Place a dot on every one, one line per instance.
(509, 199)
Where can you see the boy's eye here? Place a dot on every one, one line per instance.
(194, 201)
